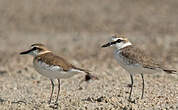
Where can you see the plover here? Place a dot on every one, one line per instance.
(134, 60)
(52, 66)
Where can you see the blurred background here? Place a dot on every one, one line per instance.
(75, 29)
(148, 17)
(23, 22)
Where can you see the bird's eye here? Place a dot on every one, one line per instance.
(34, 48)
(119, 40)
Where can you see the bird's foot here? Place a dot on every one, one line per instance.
(55, 106)
(49, 102)
(131, 101)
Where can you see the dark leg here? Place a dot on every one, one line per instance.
(142, 86)
(51, 91)
(58, 91)
(131, 77)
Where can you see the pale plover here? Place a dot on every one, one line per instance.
(53, 66)
(134, 60)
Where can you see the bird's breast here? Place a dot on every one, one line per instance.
(126, 63)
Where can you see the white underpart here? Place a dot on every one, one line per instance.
(132, 68)
(53, 72)
(76, 70)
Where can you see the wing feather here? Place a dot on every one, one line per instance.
(138, 56)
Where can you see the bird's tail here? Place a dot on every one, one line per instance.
(170, 71)
(88, 75)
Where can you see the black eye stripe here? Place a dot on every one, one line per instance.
(113, 42)
(36, 48)
(117, 41)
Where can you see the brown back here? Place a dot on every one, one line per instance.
(51, 59)
(138, 56)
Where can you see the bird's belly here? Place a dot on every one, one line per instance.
(51, 72)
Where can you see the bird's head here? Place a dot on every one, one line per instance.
(118, 40)
(36, 49)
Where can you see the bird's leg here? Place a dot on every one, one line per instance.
(51, 91)
(131, 77)
(58, 92)
(142, 86)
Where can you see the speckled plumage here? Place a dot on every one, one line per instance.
(137, 56)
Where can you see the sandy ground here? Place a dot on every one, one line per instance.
(76, 30)
(23, 88)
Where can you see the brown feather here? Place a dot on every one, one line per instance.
(138, 56)
(51, 59)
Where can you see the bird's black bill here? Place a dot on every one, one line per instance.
(112, 43)
(106, 45)
(26, 52)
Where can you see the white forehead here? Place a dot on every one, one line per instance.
(34, 46)
(116, 38)
(37, 47)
